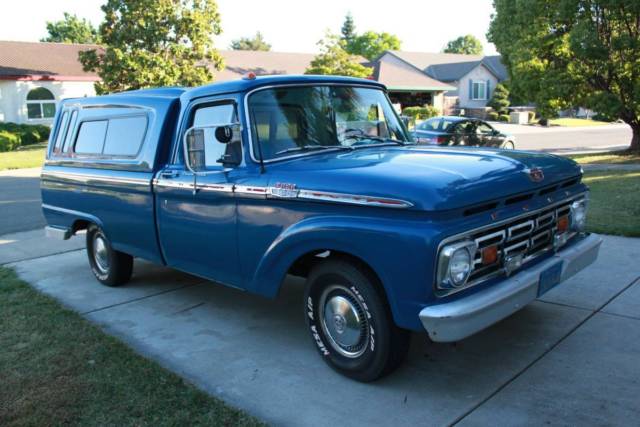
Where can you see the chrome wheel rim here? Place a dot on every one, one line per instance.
(344, 321)
(101, 253)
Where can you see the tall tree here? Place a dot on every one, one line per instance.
(348, 29)
(71, 29)
(574, 53)
(256, 42)
(371, 44)
(155, 43)
(333, 59)
(468, 45)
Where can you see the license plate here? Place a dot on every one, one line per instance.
(550, 278)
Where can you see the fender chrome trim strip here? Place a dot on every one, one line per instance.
(297, 194)
(353, 199)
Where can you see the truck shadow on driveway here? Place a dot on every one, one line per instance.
(256, 353)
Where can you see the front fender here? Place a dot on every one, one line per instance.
(399, 252)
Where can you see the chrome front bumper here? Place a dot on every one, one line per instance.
(459, 319)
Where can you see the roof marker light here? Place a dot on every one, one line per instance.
(249, 76)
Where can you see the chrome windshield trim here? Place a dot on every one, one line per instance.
(248, 116)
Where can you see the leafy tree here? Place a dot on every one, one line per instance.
(256, 42)
(500, 99)
(576, 52)
(371, 44)
(333, 59)
(71, 29)
(468, 45)
(155, 43)
(348, 29)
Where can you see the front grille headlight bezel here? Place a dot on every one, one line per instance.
(445, 279)
(579, 209)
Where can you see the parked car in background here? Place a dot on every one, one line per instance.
(454, 130)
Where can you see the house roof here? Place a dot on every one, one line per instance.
(408, 78)
(240, 62)
(450, 67)
(49, 61)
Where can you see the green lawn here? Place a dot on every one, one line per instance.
(614, 207)
(612, 157)
(573, 122)
(58, 369)
(30, 156)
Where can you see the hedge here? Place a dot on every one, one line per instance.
(8, 141)
(503, 118)
(421, 113)
(492, 115)
(23, 134)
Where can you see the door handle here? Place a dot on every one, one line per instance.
(169, 174)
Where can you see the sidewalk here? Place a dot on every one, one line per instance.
(569, 358)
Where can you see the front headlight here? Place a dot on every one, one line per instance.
(579, 215)
(455, 264)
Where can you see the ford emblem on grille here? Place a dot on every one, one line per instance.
(536, 174)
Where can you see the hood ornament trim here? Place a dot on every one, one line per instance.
(535, 174)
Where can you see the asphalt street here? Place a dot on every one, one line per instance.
(20, 201)
(20, 191)
(567, 140)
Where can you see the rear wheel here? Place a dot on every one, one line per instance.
(508, 145)
(350, 322)
(111, 267)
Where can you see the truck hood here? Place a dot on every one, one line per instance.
(430, 178)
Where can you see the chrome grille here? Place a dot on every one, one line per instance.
(529, 235)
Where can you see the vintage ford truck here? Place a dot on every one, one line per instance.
(247, 181)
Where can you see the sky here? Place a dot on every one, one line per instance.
(291, 25)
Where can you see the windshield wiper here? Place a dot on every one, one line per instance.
(308, 148)
(377, 138)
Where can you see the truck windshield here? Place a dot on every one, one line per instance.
(292, 120)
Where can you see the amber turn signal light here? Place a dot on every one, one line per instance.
(489, 255)
(563, 224)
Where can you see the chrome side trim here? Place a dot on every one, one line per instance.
(251, 190)
(219, 188)
(353, 199)
(459, 319)
(87, 178)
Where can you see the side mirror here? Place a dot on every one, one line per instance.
(199, 140)
(194, 149)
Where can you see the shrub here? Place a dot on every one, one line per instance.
(8, 141)
(421, 113)
(492, 115)
(503, 118)
(532, 116)
(603, 117)
(500, 99)
(26, 134)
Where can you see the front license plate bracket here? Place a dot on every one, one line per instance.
(550, 278)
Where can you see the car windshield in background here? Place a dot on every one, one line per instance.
(293, 120)
(436, 124)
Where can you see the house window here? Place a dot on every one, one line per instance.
(41, 104)
(479, 90)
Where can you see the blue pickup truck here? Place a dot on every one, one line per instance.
(248, 181)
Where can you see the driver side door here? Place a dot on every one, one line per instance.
(197, 214)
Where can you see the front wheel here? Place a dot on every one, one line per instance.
(111, 267)
(350, 322)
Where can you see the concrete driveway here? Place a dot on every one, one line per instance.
(571, 358)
